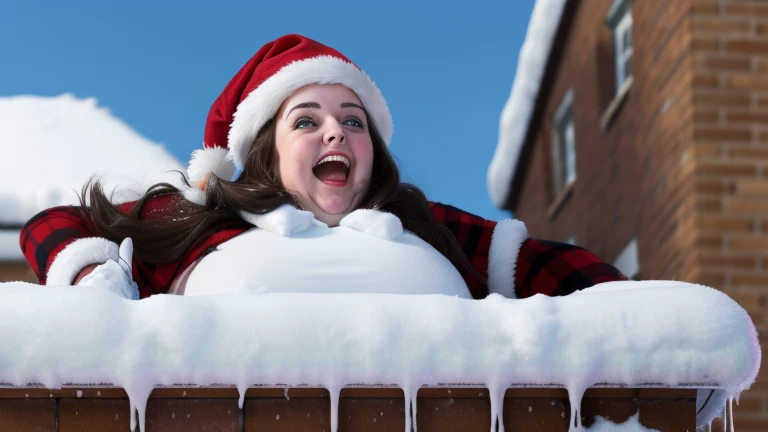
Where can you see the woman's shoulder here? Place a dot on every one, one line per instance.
(155, 207)
(446, 213)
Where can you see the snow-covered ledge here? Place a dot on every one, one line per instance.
(619, 334)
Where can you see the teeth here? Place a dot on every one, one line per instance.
(334, 158)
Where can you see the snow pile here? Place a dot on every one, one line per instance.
(621, 333)
(52, 145)
(517, 112)
(631, 425)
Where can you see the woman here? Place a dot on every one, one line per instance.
(318, 189)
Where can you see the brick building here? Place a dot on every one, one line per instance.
(647, 143)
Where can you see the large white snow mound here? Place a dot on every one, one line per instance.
(52, 145)
(620, 333)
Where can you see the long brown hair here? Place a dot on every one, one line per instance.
(257, 190)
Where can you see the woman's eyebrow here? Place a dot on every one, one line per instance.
(304, 105)
(317, 105)
(351, 105)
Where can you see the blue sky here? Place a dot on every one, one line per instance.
(445, 69)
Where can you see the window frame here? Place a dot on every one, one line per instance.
(628, 261)
(621, 23)
(564, 154)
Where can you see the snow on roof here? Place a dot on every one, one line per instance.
(517, 112)
(638, 334)
(52, 145)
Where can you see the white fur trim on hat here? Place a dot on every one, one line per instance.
(214, 160)
(78, 254)
(507, 238)
(263, 102)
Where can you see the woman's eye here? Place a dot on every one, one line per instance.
(354, 122)
(303, 122)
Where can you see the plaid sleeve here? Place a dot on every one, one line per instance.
(491, 248)
(44, 237)
(556, 269)
(474, 236)
(157, 278)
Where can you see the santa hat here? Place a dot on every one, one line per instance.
(255, 94)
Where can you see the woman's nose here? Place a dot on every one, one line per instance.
(334, 134)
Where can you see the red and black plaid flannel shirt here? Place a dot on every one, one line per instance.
(542, 267)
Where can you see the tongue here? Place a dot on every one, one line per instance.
(331, 171)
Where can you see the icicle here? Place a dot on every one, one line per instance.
(496, 393)
(142, 408)
(725, 416)
(414, 405)
(334, 391)
(138, 395)
(575, 394)
(241, 389)
(132, 414)
(730, 414)
(407, 397)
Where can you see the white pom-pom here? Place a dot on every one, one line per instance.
(216, 160)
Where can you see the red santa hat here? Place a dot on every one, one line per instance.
(255, 94)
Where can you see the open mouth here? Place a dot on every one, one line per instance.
(332, 170)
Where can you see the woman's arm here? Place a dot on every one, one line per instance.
(49, 233)
(491, 248)
(516, 265)
(62, 246)
(557, 269)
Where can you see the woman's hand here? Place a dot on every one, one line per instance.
(84, 272)
(113, 276)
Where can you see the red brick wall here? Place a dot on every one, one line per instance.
(683, 165)
(636, 176)
(730, 53)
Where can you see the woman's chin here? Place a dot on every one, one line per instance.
(339, 210)
(333, 206)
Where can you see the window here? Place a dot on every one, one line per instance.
(564, 145)
(620, 21)
(627, 261)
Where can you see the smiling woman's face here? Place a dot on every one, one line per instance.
(324, 150)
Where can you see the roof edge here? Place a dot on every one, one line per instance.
(550, 21)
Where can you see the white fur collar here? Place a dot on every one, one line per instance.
(374, 222)
(287, 220)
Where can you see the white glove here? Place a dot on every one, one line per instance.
(115, 276)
